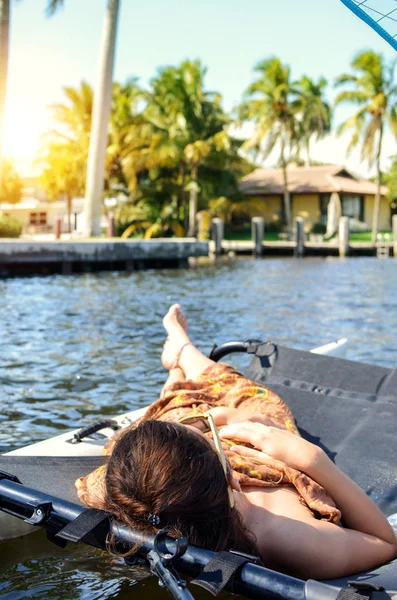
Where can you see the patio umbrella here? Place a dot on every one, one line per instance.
(334, 213)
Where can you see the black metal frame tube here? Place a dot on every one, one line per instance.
(218, 352)
(252, 580)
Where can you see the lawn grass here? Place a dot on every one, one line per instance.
(367, 236)
(271, 236)
(245, 236)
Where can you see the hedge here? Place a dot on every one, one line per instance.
(9, 228)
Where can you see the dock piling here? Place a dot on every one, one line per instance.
(57, 228)
(217, 231)
(299, 237)
(111, 229)
(258, 230)
(344, 235)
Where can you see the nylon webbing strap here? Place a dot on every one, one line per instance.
(362, 589)
(219, 572)
(86, 526)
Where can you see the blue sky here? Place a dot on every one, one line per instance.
(317, 37)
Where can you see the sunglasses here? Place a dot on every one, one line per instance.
(217, 443)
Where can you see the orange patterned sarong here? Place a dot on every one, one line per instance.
(221, 385)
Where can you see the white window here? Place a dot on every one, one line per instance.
(351, 206)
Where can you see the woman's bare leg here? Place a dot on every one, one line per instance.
(192, 362)
(174, 375)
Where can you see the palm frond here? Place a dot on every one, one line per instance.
(270, 143)
(353, 96)
(393, 120)
(345, 78)
(351, 121)
(53, 6)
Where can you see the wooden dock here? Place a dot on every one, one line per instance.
(19, 257)
(287, 248)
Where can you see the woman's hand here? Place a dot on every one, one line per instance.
(277, 443)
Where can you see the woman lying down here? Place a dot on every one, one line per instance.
(218, 459)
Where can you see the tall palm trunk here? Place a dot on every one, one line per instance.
(181, 204)
(308, 159)
(4, 44)
(287, 199)
(185, 214)
(375, 217)
(193, 202)
(100, 122)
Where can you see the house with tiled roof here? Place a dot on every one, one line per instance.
(310, 191)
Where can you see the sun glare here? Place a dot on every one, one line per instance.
(23, 129)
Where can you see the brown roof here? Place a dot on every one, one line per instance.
(306, 180)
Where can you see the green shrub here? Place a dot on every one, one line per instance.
(318, 228)
(9, 228)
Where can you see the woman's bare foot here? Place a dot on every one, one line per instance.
(174, 317)
(175, 324)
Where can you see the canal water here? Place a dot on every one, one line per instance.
(75, 348)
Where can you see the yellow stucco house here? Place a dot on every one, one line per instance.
(310, 189)
(39, 216)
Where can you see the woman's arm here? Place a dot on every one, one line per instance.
(369, 539)
(225, 415)
(308, 548)
(358, 510)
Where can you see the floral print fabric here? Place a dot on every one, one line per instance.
(222, 385)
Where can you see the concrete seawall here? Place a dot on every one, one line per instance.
(47, 257)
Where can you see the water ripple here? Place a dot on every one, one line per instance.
(79, 347)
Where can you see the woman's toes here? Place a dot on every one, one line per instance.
(174, 318)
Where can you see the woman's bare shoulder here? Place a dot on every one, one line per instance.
(276, 501)
(270, 513)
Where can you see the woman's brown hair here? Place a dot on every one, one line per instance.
(165, 469)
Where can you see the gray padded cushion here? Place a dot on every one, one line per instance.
(350, 410)
(52, 475)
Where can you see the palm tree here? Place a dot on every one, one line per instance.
(11, 184)
(74, 116)
(52, 7)
(188, 130)
(375, 93)
(172, 108)
(209, 138)
(71, 136)
(63, 173)
(102, 101)
(155, 138)
(100, 122)
(126, 132)
(270, 104)
(314, 111)
(64, 151)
